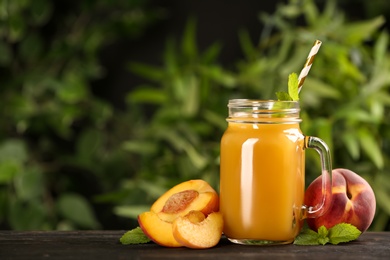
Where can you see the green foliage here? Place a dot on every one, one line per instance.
(54, 136)
(64, 153)
(180, 139)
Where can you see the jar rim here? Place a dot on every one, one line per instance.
(262, 103)
(272, 111)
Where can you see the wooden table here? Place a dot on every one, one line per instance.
(105, 245)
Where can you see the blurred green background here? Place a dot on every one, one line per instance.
(105, 104)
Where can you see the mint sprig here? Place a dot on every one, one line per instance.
(283, 96)
(340, 233)
(343, 232)
(134, 236)
(293, 93)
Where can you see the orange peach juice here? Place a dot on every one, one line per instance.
(262, 181)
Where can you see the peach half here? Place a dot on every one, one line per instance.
(195, 230)
(187, 196)
(192, 195)
(157, 230)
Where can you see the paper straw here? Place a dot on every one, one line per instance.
(309, 62)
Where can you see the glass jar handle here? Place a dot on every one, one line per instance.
(313, 211)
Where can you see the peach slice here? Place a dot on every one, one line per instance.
(195, 230)
(157, 230)
(187, 196)
(193, 195)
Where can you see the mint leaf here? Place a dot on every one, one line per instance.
(323, 231)
(323, 240)
(342, 233)
(293, 86)
(293, 94)
(323, 235)
(307, 237)
(134, 236)
(283, 96)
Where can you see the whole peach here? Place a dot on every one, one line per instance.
(353, 201)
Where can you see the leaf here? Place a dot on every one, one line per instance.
(380, 81)
(325, 130)
(215, 119)
(13, 150)
(147, 71)
(17, 27)
(323, 231)
(89, 142)
(146, 94)
(351, 143)
(323, 235)
(77, 209)
(152, 188)
(134, 236)
(191, 105)
(8, 169)
(323, 240)
(26, 215)
(377, 110)
(131, 211)
(307, 237)
(182, 144)
(292, 94)
(380, 49)
(339, 233)
(219, 75)
(73, 89)
(140, 147)
(211, 53)
(283, 96)
(321, 89)
(189, 42)
(342, 233)
(311, 12)
(246, 44)
(355, 33)
(41, 11)
(29, 184)
(382, 191)
(371, 148)
(293, 86)
(171, 65)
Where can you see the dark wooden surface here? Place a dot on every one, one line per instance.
(105, 245)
